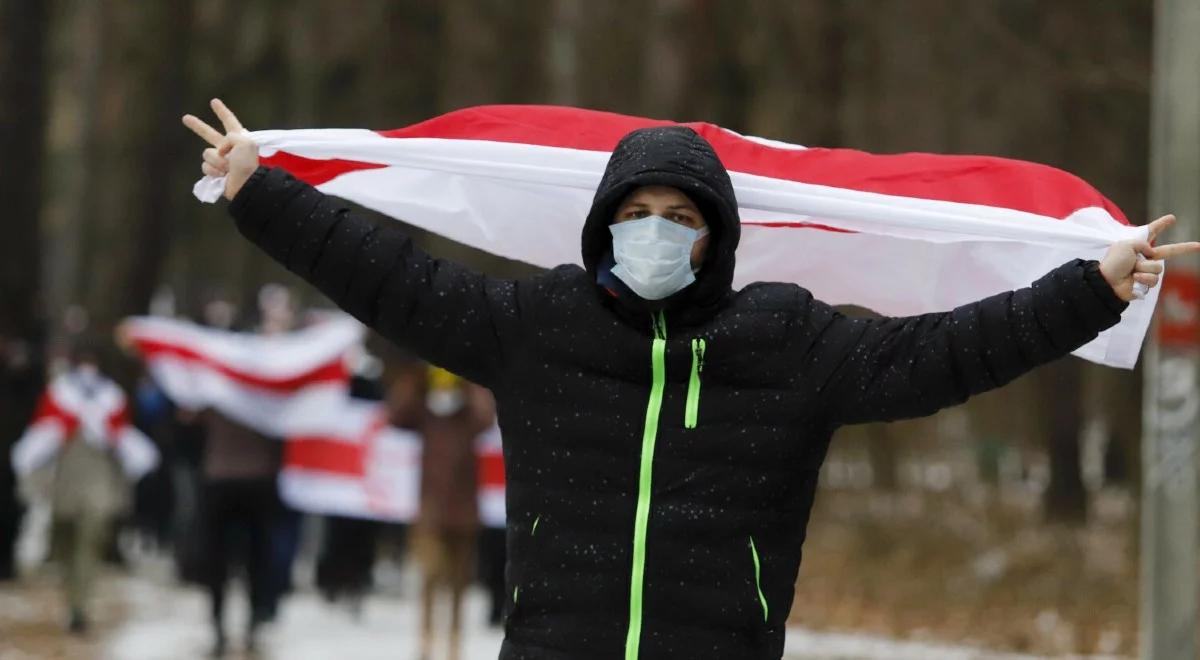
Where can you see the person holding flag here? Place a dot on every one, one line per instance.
(82, 428)
(663, 431)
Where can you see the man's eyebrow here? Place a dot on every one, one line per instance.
(686, 207)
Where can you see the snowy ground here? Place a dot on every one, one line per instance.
(152, 618)
(167, 624)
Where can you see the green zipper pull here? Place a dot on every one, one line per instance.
(692, 412)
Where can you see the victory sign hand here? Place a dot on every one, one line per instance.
(1129, 262)
(232, 155)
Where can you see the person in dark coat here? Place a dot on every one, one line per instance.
(662, 431)
(348, 546)
(241, 507)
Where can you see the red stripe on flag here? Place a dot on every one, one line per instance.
(984, 180)
(491, 469)
(315, 171)
(48, 408)
(117, 421)
(333, 371)
(796, 225)
(325, 454)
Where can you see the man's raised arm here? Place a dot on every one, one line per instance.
(893, 368)
(442, 311)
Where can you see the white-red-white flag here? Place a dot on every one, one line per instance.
(78, 407)
(344, 459)
(257, 380)
(340, 455)
(900, 234)
(348, 461)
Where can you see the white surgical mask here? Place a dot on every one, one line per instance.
(654, 255)
(444, 403)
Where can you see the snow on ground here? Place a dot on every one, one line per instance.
(168, 622)
(151, 617)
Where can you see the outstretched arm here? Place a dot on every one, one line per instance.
(893, 368)
(444, 312)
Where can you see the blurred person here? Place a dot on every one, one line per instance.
(277, 314)
(244, 520)
(276, 310)
(81, 430)
(154, 496)
(449, 414)
(240, 508)
(187, 438)
(349, 545)
(663, 431)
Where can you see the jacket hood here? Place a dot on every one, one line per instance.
(678, 157)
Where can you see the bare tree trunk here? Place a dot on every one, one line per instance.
(562, 51)
(470, 43)
(1122, 405)
(72, 101)
(23, 37)
(24, 25)
(153, 211)
(665, 70)
(1060, 385)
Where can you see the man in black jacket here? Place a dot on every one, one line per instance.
(662, 431)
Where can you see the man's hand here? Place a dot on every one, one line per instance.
(232, 155)
(1123, 264)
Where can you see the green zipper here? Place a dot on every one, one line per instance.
(658, 370)
(693, 395)
(758, 578)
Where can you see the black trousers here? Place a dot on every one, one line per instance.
(238, 518)
(347, 557)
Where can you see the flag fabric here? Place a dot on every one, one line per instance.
(340, 456)
(256, 380)
(346, 460)
(492, 512)
(899, 234)
(77, 409)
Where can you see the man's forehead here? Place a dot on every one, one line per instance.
(667, 194)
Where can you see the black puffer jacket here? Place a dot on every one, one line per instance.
(662, 464)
